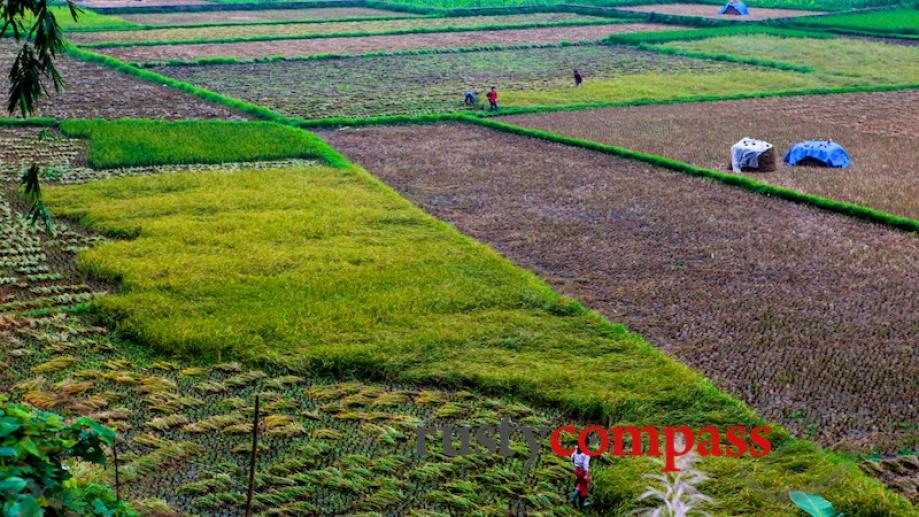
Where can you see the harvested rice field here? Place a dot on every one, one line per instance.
(369, 44)
(94, 91)
(264, 15)
(879, 130)
(711, 11)
(301, 30)
(436, 82)
(809, 317)
(108, 4)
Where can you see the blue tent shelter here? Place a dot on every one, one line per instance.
(824, 152)
(735, 7)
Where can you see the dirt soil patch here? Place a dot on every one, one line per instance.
(265, 15)
(294, 30)
(711, 11)
(93, 91)
(879, 130)
(424, 83)
(363, 45)
(808, 316)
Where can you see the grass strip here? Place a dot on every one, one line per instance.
(734, 180)
(131, 142)
(652, 38)
(352, 34)
(23, 122)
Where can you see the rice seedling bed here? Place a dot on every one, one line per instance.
(711, 11)
(88, 20)
(373, 44)
(804, 315)
(436, 82)
(880, 131)
(266, 15)
(20, 147)
(301, 30)
(37, 274)
(95, 91)
(898, 21)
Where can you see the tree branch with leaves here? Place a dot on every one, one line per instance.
(33, 25)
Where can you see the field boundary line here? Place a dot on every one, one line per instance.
(229, 60)
(352, 34)
(751, 185)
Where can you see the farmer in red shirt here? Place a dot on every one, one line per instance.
(493, 98)
(581, 462)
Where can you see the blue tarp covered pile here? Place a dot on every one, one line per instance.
(827, 152)
(735, 7)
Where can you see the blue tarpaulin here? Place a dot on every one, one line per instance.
(826, 152)
(738, 6)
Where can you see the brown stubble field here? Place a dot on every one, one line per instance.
(808, 316)
(93, 91)
(879, 130)
(100, 4)
(711, 11)
(266, 15)
(367, 44)
(310, 29)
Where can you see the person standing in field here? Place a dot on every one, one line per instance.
(581, 464)
(493, 99)
(578, 78)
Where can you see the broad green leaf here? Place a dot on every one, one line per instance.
(8, 425)
(13, 484)
(812, 504)
(27, 445)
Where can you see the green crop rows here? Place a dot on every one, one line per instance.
(894, 23)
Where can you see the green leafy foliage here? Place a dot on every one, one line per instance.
(126, 143)
(33, 479)
(34, 21)
(31, 187)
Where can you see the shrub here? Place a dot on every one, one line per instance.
(33, 479)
